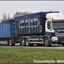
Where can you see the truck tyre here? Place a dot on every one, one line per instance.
(23, 42)
(47, 42)
(27, 42)
(43, 41)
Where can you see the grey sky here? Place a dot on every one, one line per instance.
(10, 7)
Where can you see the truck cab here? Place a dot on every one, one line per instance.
(55, 25)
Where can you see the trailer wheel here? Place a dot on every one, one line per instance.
(47, 42)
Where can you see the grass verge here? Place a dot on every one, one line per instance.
(28, 55)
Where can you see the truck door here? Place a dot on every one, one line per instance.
(48, 26)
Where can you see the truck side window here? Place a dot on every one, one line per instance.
(49, 25)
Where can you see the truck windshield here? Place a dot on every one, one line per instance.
(58, 24)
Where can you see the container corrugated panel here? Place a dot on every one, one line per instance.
(28, 27)
(7, 30)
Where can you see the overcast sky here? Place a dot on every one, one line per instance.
(10, 7)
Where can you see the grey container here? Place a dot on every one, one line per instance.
(7, 30)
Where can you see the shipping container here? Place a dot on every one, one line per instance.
(29, 24)
(7, 30)
(32, 24)
(8, 21)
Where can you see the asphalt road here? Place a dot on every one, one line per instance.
(54, 46)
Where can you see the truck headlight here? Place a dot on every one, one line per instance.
(54, 38)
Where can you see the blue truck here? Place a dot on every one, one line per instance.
(36, 28)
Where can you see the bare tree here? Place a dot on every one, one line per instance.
(20, 14)
(8, 16)
(4, 17)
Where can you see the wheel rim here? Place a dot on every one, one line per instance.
(46, 42)
(22, 42)
(27, 42)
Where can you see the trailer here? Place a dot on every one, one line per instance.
(8, 33)
(37, 28)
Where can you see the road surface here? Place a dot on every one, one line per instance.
(55, 46)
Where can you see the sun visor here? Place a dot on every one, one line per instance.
(55, 16)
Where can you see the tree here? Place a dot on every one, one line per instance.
(8, 16)
(20, 14)
(4, 16)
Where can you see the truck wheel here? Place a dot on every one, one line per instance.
(27, 42)
(23, 42)
(47, 42)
